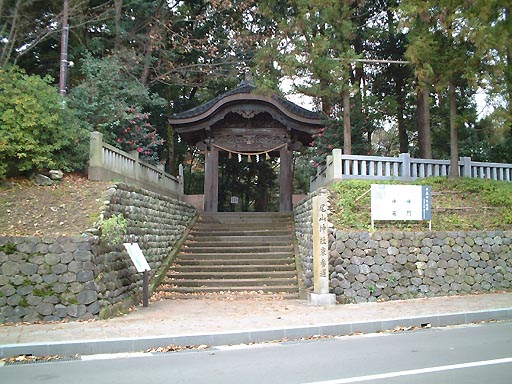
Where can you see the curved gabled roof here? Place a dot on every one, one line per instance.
(246, 87)
(191, 123)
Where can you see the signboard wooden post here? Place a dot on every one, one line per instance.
(401, 202)
(141, 264)
(234, 202)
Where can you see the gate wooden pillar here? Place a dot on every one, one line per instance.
(211, 179)
(286, 180)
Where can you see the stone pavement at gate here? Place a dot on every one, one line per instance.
(234, 320)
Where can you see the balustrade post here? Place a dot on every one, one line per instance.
(466, 166)
(95, 149)
(405, 159)
(95, 156)
(337, 166)
(135, 155)
(181, 180)
(329, 171)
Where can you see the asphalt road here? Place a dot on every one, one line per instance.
(466, 354)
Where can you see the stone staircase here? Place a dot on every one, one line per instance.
(235, 253)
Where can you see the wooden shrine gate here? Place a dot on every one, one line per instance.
(242, 121)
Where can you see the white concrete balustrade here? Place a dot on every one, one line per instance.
(109, 163)
(402, 168)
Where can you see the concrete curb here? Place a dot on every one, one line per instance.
(119, 345)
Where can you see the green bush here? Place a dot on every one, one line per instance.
(37, 130)
(113, 229)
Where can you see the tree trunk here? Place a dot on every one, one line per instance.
(171, 165)
(402, 128)
(508, 69)
(118, 4)
(152, 39)
(64, 49)
(424, 134)
(454, 141)
(347, 129)
(9, 45)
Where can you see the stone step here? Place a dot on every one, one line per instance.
(253, 282)
(229, 223)
(238, 262)
(215, 231)
(252, 241)
(228, 275)
(233, 255)
(237, 249)
(230, 268)
(245, 253)
(230, 295)
(249, 238)
(204, 228)
(249, 288)
(220, 217)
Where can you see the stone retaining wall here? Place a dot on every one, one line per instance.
(399, 265)
(156, 223)
(374, 266)
(81, 278)
(47, 278)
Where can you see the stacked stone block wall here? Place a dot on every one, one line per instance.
(399, 265)
(379, 265)
(47, 278)
(76, 278)
(155, 222)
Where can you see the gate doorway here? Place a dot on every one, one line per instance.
(248, 184)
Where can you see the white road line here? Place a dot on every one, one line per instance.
(238, 347)
(411, 372)
(111, 356)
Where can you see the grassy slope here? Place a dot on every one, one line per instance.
(464, 204)
(73, 205)
(67, 208)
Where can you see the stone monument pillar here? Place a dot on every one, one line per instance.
(320, 294)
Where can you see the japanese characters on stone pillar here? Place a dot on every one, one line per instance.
(321, 295)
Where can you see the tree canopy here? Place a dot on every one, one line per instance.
(391, 76)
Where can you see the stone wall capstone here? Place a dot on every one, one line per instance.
(46, 278)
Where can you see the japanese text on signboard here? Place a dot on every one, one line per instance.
(401, 202)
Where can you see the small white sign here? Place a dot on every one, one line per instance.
(234, 199)
(401, 202)
(138, 259)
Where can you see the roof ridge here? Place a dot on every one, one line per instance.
(246, 86)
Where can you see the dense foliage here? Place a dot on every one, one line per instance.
(391, 76)
(37, 130)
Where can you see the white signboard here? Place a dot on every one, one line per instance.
(401, 202)
(140, 262)
(234, 199)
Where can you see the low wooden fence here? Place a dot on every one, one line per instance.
(109, 163)
(401, 168)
